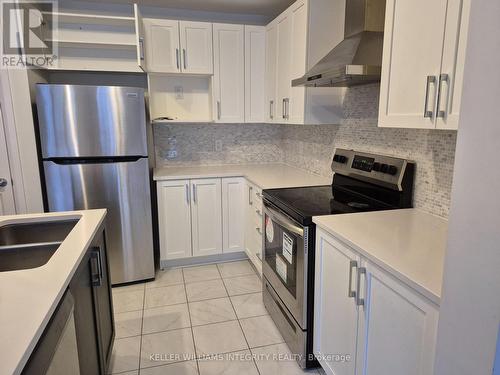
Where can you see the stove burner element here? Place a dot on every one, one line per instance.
(359, 205)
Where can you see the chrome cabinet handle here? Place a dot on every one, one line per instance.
(250, 189)
(283, 110)
(195, 198)
(442, 78)
(184, 58)
(141, 48)
(428, 113)
(177, 58)
(3, 182)
(351, 293)
(360, 301)
(187, 194)
(287, 108)
(271, 112)
(258, 212)
(218, 110)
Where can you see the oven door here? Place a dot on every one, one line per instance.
(285, 260)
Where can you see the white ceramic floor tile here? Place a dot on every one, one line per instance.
(167, 347)
(232, 269)
(180, 368)
(211, 311)
(205, 290)
(238, 363)
(219, 338)
(243, 285)
(136, 372)
(128, 288)
(277, 360)
(248, 305)
(125, 356)
(128, 301)
(260, 331)
(167, 295)
(201, 273)
(128, 324)
(172, 276)
(165, 318)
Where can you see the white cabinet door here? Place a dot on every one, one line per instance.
(229, 73)
(7, 206)
(271, 71)
(452, 70)
(255, 67)
(196, 45)
(233, 214)
(140, 36)
(295, 109)
(336, 313)
(162, 46)
(413, 45)
(283, 63)
(401, 327)
(174, 217)
(206, 213)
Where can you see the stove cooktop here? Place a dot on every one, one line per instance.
(305, 202)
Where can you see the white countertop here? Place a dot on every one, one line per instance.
(28, 298)
(265, 176)
(409, 244)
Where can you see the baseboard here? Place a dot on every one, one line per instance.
(195, 261)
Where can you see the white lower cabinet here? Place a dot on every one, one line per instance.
(206, 216)
(174, 219)
(201, 217)
(253, 225)
(233, 214)
(380, 325)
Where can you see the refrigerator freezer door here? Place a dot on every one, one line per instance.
(121, 187)
(85, 121)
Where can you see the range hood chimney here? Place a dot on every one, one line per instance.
(357, 59)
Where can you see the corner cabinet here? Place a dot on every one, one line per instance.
(201, 217)
(296, 40)
(422, 69)
(229, 73)
(376, 317)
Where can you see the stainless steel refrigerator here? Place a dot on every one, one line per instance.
(94, 150)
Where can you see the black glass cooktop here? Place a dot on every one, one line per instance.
(305, 202)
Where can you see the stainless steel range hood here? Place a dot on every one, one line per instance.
(357, 59)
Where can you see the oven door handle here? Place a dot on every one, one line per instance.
(284, 221)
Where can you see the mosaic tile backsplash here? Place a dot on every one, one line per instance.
(311, 147)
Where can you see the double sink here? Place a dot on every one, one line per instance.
(31, 245)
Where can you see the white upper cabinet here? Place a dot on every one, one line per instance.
(196, 45)
(255, 67)
(296, 40)
(229, 73)
(424, 45)
(206, 212)
(178, 46)
(162, 46)
(271, 70)
(233, 214)
(140, 36)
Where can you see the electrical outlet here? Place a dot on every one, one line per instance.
(179, 92)
(171, 154)
(218, 145)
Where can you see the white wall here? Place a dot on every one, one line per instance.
(470, 309)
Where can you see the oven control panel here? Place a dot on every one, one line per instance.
(385, 170)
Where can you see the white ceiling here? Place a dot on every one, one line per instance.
(268, 8)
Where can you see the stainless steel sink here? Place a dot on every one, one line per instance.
(31, 245)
